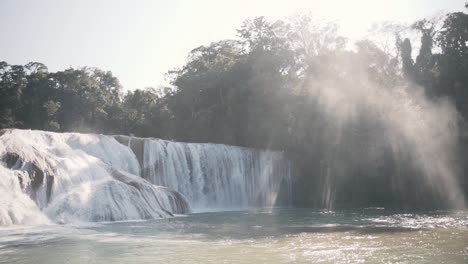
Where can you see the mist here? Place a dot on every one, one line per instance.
(403, 144)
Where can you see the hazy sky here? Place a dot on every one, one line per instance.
(139, 41)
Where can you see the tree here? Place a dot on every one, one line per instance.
(13, 82)
(51, 108)
(453, 62)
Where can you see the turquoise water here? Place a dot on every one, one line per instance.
(256, 236)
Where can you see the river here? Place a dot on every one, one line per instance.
(278, 235)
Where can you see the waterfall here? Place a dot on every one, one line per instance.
(70, 177)
(216, 176)
(74, 177)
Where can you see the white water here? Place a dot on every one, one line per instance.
(15, 206)
(86, 178)
(214, 176)
(71, 177)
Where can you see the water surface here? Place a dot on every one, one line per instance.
(255, 236)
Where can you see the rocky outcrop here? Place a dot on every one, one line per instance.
(36, 177)
(172, 202)
(137, 145)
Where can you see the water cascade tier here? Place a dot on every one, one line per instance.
(215, 176)
(70, 177)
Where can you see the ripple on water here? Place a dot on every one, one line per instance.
(279, 236)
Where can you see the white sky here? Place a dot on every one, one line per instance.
(139, 41)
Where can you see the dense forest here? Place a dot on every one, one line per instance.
(294, 85)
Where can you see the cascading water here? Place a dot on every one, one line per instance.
(75, 177)
(215, 176)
